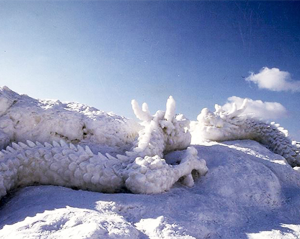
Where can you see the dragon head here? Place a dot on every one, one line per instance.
(163, 132)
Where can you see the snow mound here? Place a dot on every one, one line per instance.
(71, 222)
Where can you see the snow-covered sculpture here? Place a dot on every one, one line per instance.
(233, 125)
(141, 169)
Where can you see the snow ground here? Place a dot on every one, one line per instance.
(248, 192)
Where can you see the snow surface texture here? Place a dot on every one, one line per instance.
(141, 170)
(222, 125)
(248, 192)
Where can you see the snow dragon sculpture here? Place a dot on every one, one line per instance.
(141, 169)
(233, 125)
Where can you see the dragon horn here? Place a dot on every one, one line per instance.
(170, 109)
(235, 112)
(145, 108)
(218, 108)
(140, 114)
(244, 105)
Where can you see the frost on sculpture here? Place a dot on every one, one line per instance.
(222, 125)
(141, 169)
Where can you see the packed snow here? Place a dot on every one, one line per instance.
(188, 187)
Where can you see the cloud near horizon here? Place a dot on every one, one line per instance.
(274, 79)
(258, 108)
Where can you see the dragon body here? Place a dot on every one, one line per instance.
(69, 161)
(82, 147)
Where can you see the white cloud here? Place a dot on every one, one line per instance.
(274, 79)
(258, 108)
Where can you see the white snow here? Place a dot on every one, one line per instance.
(24, 118)
(248, 191)
(140, 170)
(235, 124)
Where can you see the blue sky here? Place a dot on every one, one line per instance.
(105, 53)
